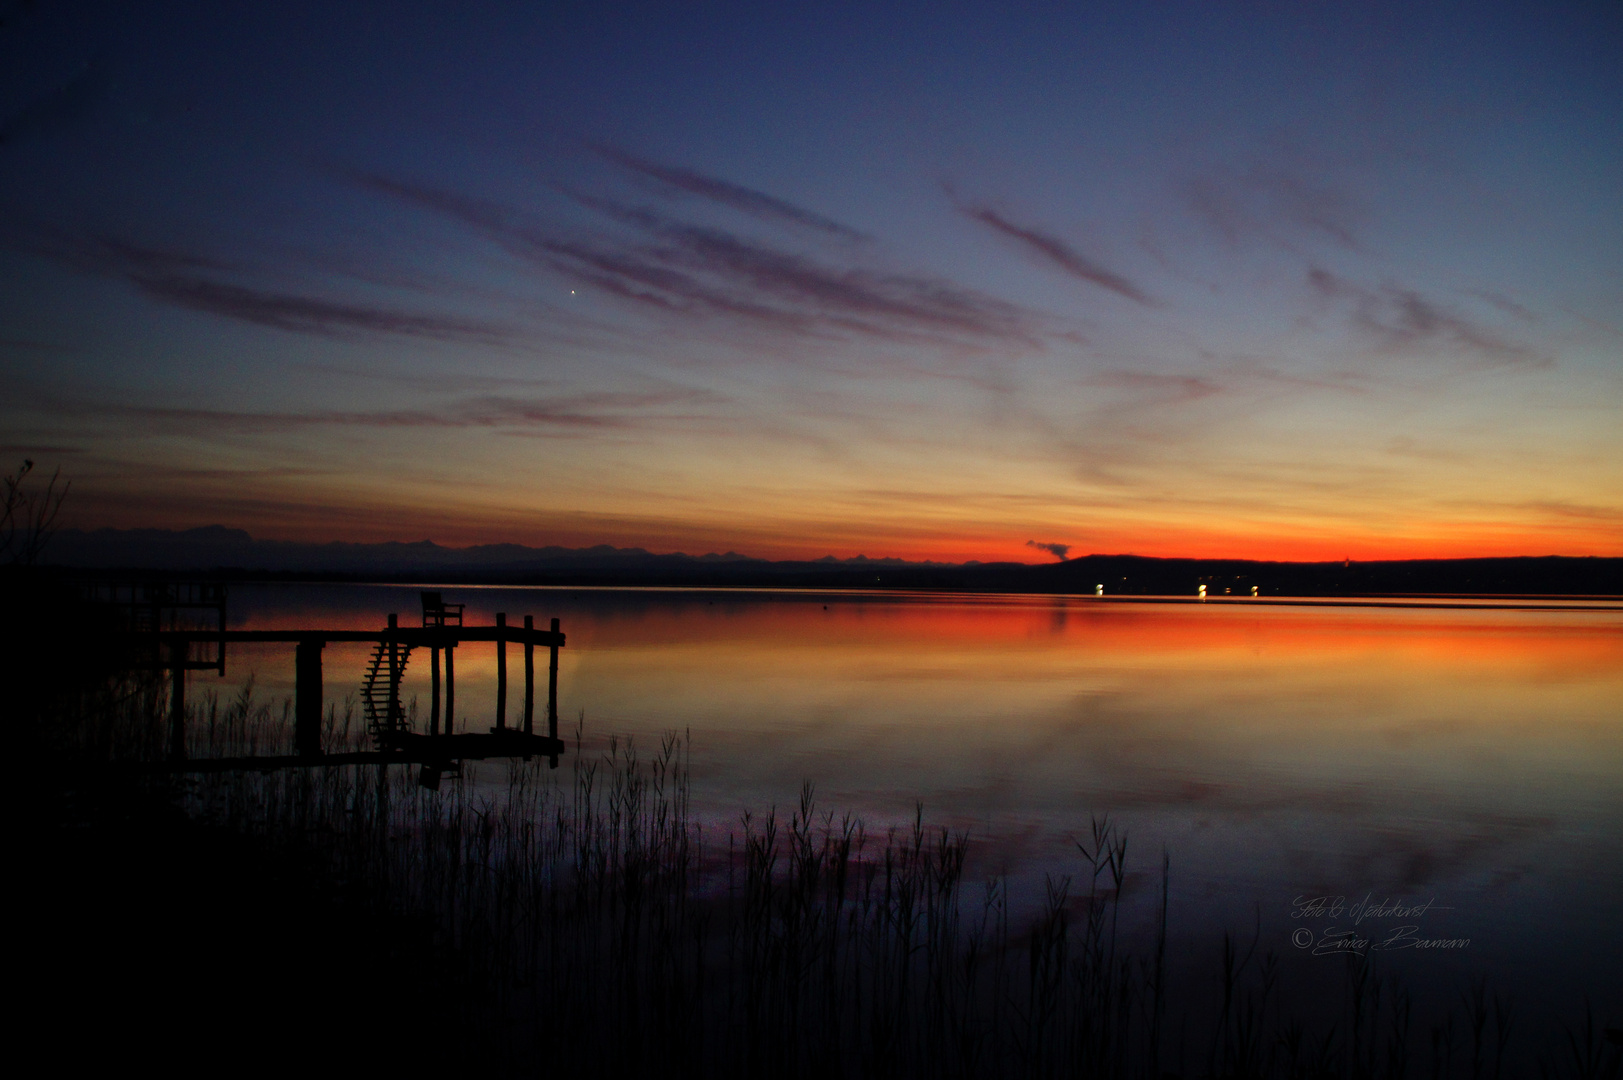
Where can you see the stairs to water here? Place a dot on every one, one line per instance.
(380, 692)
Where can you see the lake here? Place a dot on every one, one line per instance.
(1463, 765)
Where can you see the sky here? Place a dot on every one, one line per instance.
(936, 281)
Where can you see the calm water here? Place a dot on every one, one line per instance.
(1472, 760)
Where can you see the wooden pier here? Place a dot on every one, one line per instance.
(439, 750)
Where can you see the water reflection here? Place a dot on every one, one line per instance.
(1474, 756)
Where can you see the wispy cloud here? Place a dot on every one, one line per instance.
(1057, 253)
(1158, 386)
(307, 314)
(681, 268)
(558, 414)
(1273, 199)
(1506, 305)
(746, 200)
(1401, 319)
(202, 283)
(38, 450)
(1578, 511)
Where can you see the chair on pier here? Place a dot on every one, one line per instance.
(436, 612)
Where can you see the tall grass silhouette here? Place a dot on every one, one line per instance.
(601, 930)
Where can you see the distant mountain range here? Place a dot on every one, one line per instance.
(232, 553)
(216, 547)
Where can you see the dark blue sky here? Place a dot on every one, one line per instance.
(934, 280)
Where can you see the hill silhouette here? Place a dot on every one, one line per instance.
(233, 553)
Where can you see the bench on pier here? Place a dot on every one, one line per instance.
(436, 612)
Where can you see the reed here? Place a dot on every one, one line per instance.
(600, 930)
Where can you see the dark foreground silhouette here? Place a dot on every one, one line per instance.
(154, 940)
(579, 922)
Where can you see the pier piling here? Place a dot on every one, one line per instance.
(395, 672)
(307, 693)
(552, 694)
(501, 670)
(177, 699)
(529, 676)
(450, 688)
(434, 690)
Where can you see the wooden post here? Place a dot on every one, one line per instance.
(501, 670)
(434, 690)
(394, 674)
(177, 699)
(529, 676)
(221, 599)
(450, 688)
(552, 694)
(307, 697)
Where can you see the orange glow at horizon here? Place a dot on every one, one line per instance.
(755, 533)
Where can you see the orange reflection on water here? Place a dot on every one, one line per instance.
(661, 657)
(1024, 647)
(987, 705)
(1475, 754)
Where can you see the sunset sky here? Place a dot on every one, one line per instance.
(1301, 280)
